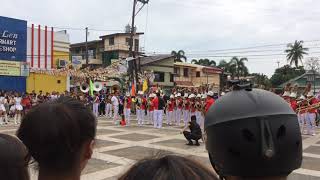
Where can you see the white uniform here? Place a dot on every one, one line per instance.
(18, 105)
(2, 108)
(115, 104)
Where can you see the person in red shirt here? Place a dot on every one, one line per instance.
(186, 109)
(150, 108)
(127, 109)
(140, 106)
(210, 101)
(170, 109)
(302, 113)
(192, 98)
(311, 114)
(179, 104)
(293, 102)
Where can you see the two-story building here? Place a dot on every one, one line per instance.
(162, 68)
(110, 47)
(193, 75)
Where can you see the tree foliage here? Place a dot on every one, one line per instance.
(235, 67)
(285, 73)
(261, 81)
(204, 62)
(179, 56)
(295, 53)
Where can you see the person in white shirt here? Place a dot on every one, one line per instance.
(108, 107)
(2, 109)
(115, 106)
(18, 108)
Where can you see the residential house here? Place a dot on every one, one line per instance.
(110, 47)
(312, 77)
(162, 67)
(193, 75)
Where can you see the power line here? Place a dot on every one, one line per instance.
(83, 29)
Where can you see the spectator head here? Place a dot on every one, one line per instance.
(253, 134)
(59, 135)
(193, 118)
(167, 168)
(13, 159)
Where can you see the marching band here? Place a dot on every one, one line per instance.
(306, 106)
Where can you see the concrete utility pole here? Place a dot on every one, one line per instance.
(131, 48)
(278, 62)
(87, 57)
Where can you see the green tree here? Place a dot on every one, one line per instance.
(241, 68)
(284, 74)
(295, 53)
(204, 62)
(261, 81)
(228, 68)
(179, 56)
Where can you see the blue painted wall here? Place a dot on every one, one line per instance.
(15, 30)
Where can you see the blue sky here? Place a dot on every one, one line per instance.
(200, 27)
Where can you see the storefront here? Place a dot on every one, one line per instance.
(13, 48)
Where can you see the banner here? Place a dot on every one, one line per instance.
(10, 68)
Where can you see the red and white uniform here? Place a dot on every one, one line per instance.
(127, 110)
(311, 117)
(209, 103)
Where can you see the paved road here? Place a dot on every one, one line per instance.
(117, 148)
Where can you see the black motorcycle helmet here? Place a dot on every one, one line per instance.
(253, 133)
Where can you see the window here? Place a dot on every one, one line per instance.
(111, 41)
(171, 77)
(158, 76)
(128, 41)
(136, 45)
(177, 71)
(185, 72)
(198, 74)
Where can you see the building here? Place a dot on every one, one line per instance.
(47, 50)
(95, 52)
(161, 66)
(192, 75)
(312, 77)
(110, 47)
(13, 45)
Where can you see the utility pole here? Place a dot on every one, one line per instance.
(131, 48)
(87, 57)
(278, 62)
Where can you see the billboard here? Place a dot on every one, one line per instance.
(13, 39)
(13, 47)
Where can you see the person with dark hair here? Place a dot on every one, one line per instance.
(13, 159)
(194, 133)
(167, 168)
(59, 135)
(253, 134)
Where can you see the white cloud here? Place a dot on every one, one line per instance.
(190, 24)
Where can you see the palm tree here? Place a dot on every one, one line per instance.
(204, 62)
(241, 68)
(295, 53)
(179, 56)
(228, 68)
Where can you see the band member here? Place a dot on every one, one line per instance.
(302, 102)
(18, 108)
(186, 109)
(170, 110)
(2, 109)
(150, 108)
(115, 105)
(140, 107)
(159, 106)
(127, 108)
(95, 106)
(311, 117)
(179, 104)
(108, 107)
(210, 101)
(293, 102)
(192, 105)
(198, 106)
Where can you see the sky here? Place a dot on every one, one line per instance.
(214, 29)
